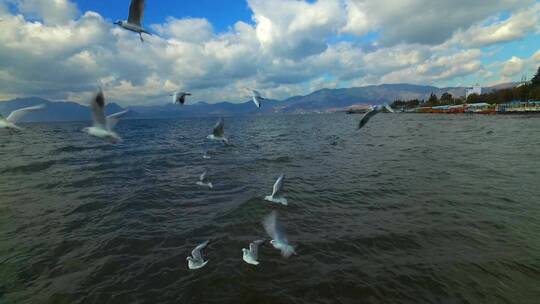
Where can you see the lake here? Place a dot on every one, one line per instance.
(410, 209)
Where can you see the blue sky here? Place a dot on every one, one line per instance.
(216, 49)
(221, 13)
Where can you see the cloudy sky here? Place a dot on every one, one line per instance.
(62, 50)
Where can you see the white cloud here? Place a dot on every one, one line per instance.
(516, 27)
(515, 67)
(50, 11)
(295, 29)
(422, 21)
(188, 29)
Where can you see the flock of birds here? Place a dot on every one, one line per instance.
(103, 128)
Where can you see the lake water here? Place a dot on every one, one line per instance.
(411, 209)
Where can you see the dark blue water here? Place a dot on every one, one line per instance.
(411, 209)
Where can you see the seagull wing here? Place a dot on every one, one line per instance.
(113, 119)
(18, 114)
(278, 186)
(196, 253)
(369, 114)
(203, 176)
(219, 128)
(136, 12)
(269, 224)
(254, 248)
(98, 109)
(389, 108)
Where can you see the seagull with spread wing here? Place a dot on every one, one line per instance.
(11, 120)
(276, 196)
(196, 260)
(251, 255)
(218, 132)
(276, 232)
(203, 181)
(372, 112)
(257, 98)
(134, 22)
(103, 125)
(180, 97)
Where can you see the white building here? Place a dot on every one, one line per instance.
(476, 89)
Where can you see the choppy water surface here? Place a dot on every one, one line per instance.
(411, 209)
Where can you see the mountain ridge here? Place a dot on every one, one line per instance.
(319, 101)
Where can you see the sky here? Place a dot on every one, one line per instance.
(65, 49)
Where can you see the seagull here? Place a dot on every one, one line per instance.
(203, 181)
(9, 122)
(251, 255)
(134, 22)
(257, 98)
(372, 112)
(196, 261)
(275, 197)
(275, 231)
(103, 126)
(218, 132)
(180, 97)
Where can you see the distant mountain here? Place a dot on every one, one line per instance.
(325, 100)
(53, 111)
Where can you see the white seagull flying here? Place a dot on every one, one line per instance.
(276, 196)
(9, 122)
(196, 261)
(219, 131)
(372, 112)
(134, 22)
(257, 98)
(103, 125)
(251, 255)
(203, 181)
(180, 97)
(279, 239)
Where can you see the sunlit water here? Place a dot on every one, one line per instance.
(411, 209)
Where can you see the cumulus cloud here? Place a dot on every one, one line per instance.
(516, 27)
(422, 21)
(188, 29)
(295, 29)
(50, 11)
(515, 67)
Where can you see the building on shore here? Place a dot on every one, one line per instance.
(515, 107)
(519, 107)
(476, 89)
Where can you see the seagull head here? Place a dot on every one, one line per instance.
(189, 258)
(118, 22)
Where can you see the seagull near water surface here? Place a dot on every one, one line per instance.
(196, 260)
(251, 255)
(11, 120)
(218, 132)
(372, 112)
(276, 232)
(103, 125)
(203, 181)
(276, 197)
(135, 18)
